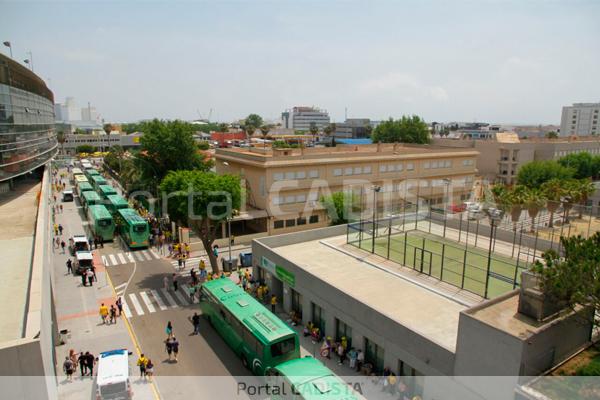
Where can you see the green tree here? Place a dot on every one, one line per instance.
(535, 200)
(340, 205)
(264, 131)
(405, 130)
(168, 146)
(253, 120)
(572, 281)
(368, 130)
(61, 138)
(583, 164)
(203, 146)
(107, 128)
(552, 135)
(584, 188)
(85, 148)
(202, 201)
(553, 191)
(515, 200)
(223, 127)
(314, 129)
(535, 173)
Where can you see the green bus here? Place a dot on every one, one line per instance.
(106, 190)
(133, 229)
(101, 222)
(80, 179)
(254, 333)
(307, 378)
(82, 188)
(91, 198)
(97, 180)
(115, 202)
(91, 172)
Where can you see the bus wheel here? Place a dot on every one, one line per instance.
(245, 362)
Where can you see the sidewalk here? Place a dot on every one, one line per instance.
(77, 312)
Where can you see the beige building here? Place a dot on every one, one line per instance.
(499, 159)
(283, 186)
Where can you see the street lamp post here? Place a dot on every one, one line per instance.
(447, 183)
(376, 190)
(7, 44)
(495, 215)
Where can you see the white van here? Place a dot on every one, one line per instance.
(112, 380)
(67, 195)
(83, 260)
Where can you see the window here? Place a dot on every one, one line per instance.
(289, 175)
(399, 167)
(337, 172)
(313, 196)
(277, 200)
(434, 164)
(391, 168)
(357, 170)
(317, 317)
(410, 167)
(468, 162)
(367, 170)
(313, 173)
(374, 355)
(261, 184)
(313, 219)
(382, 168)
(448, 163)
(283, 347)
(348, 171)
(426, 165)
(343, 330)
(301, 221)
(296, 301)
(278, 176)
(290, 199)
(300, 175)
(290, 222)
(301, 198)
(278, 224)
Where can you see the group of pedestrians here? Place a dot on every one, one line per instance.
(85, 361)
(146, 367)
(109, 315)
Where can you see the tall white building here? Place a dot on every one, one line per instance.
(301, 118)
(580, 119)
(67, 111)
(89, 113)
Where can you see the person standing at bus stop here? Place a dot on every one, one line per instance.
(273, 303)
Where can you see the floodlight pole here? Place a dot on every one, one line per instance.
(376, 190)
(447, 182)
(489, 261)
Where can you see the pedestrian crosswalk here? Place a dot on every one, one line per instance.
(154, 300)
(190, 263)
(111, 260)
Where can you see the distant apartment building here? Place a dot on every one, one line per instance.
(354, 128)
(283, 186)
(69, 117)
(580, 119)
(500, 157)
(301, 118)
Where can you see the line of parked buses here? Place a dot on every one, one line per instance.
(265, 344)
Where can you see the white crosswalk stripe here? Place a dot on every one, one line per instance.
(139, 256)
(155, 254)
(146, 255)
(180, 297)
(147, 301)
(126, 309)
(130, 258)
(113, 259)
(169, 298)
(104, 261)
(121, 258)
(158, 299)
(136, 304)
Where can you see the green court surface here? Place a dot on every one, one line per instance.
(447, 260)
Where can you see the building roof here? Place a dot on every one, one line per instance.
(423, 311)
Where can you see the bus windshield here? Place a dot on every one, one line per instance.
(104, 222)
(283, 347)
(139, 228)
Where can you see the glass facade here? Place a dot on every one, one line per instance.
(27, 136)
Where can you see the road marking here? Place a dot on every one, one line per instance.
(181, 298)
(130, 258)
(113, 259)
(146, 255)
(122, 258)
(136, 304)
(126, 309)
(147, 301)
(121, 286)
(169, 298)
(159, 301)
(155, 254)
(139, 256)
(104, 261)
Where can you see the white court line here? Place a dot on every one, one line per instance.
(122, 258)
(130, 258)
(126, 309)
(181, 298)
(104, 261)
(139, 256)
(159, 301)
(113, 259)
(155, 254)
(146, 255)
(146, 299)
(169, 298)
(136, 304)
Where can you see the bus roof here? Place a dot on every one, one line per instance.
(83, 186)
(117, 200)
(92, 171)
(131, 216)
(107, 188)
(313, 380)
(99, 212)
(77, 171)
(91, 195)
(98, 179)
(81, 178)
(84, 255)
(113, 366)
(262, 322)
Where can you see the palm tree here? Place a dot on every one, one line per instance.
(264, 130)
(516, 199)
(571, 196)
(534, 202)
(553, 191)
(314, 129)
(368, 130)
(61, 138)
(327, 131)
(249, 129)
(585, 188)
(498, 191)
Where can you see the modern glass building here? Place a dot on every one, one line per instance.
(27, 136)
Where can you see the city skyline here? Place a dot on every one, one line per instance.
(495, 62)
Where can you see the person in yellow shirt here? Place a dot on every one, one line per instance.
(103, 313)
(202, 265)
(142, 362)
(259, 293)
(273, 303)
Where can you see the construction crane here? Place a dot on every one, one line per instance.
(207, 120)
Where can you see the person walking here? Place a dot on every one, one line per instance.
(61, 209)
(179, 262)
(169, 329)
(93, 268)
(68, 367)
(90, 276)
(81, 360)
(90, 361)
(103, 313)
(57, 243)
(150, 369)
(175, 283)
(168, 347)
(113, 314)
(69, 267)
(165, 282)
(273, 303)
(60, 229)
(183, 258)
(142, 362)
(95, 242)
(196, 323)
(55, 229)
(84, 278)
(119, 304)
(62, 246)
(175, 347)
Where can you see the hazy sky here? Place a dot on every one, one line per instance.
(506, 62)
